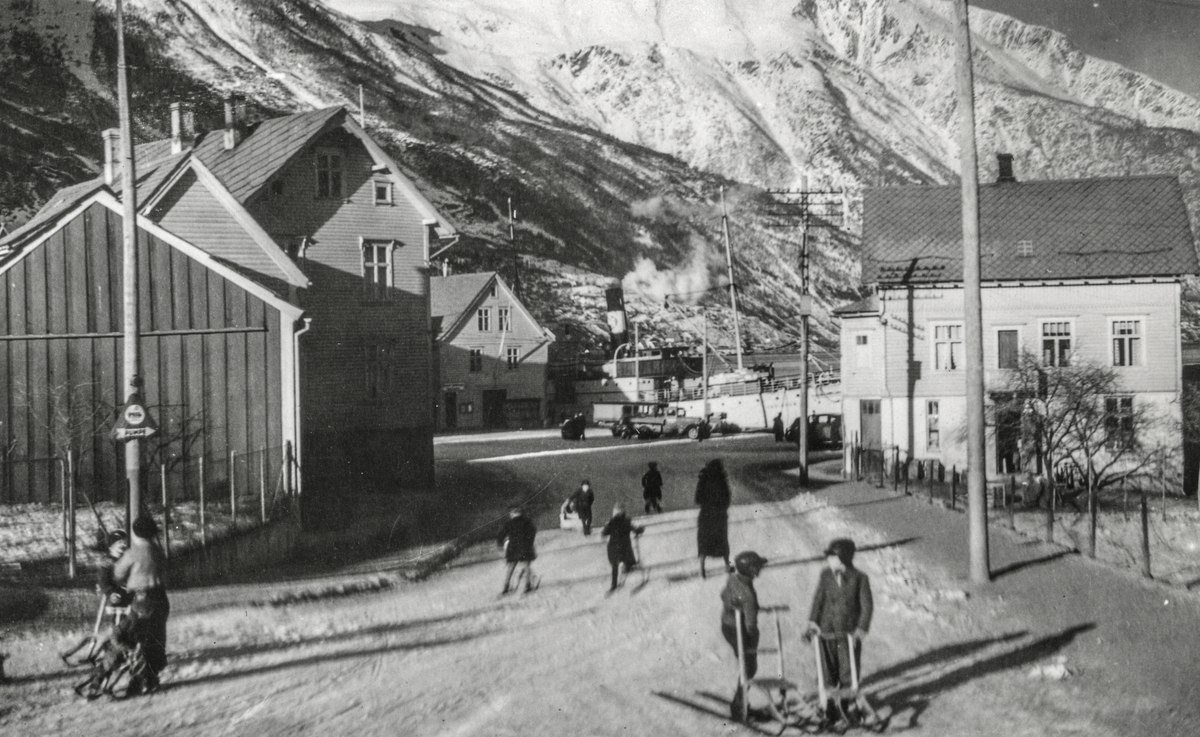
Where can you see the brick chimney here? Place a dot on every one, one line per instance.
(1005, 162)
(235, 110)
(112, 142)
(183, 127)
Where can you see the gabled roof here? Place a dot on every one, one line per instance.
(452, 300)
(1031, 231)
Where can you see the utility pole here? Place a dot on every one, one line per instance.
(800, 204)
(704, 368)
(130, 272)
(737, 331)
(512, 242)
(972, 304)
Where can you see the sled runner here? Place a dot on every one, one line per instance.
(116, 669)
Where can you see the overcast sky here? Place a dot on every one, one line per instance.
(1160, 38)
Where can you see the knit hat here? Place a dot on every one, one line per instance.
(843, 548)
(749, 563)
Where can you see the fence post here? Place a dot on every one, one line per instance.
(954, 485)
(1145, 537)
(166, 502)
(232, 491)
(907, 463)
(1162, 480)
(896, 470)
(203, 527)
(1124, 500)
(287, 459)
(70, 490)
(62, 482)
(1009, 497)
(262, 483)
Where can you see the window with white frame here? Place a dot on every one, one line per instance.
(1118, 420)
(383, 193)
(1008, 348)
(933, 434)
(376, 268)
(947, 347)
(1056, 343)
(504, 319)
(483, 319)
(330, 175)
(862, 350)
(476, 364)
(1127, 342)
(378, 369)
(512, 356)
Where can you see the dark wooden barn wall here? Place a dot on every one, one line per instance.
(223, 387)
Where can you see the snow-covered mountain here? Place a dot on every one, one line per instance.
(610, 124)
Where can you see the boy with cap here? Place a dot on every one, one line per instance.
(841, 606)
(739, 596)
(517, 538)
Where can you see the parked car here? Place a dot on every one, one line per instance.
(824, 432)
(648, 420)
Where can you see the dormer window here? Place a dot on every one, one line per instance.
(330, 175)
(383, 193)
(1025, 249)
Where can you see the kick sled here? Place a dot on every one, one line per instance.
(114, 669)
(787, 706)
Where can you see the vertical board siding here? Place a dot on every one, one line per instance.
(66, 286)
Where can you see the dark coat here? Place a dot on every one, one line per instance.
(620, 547)
(652, 483)
(777, 427)
(840, 610)
(581, 502)
(739, 595)
(519, 533)
(712, 526)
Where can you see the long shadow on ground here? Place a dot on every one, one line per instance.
(909, 686)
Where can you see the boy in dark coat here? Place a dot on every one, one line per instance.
(620, 547)
(581, 503)
(739, 596)
(517, 540)
(652, 483)
(841, 606)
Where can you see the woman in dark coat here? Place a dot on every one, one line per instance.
(712, 527)
(620, 546)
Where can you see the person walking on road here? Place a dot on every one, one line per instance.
(712, 526)
(620, 547)
(739, 596)
(777, 427)
(517, 538)
(141, 570)
(841, 609)
(581, 503)
(652, 483)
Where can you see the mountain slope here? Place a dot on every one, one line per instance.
(611, 126)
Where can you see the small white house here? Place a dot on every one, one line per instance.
(1071, 270)
(491, 355)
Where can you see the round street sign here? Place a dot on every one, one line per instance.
(135, 415)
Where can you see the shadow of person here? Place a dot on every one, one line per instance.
(910, 686)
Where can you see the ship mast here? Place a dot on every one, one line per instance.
(737, 332)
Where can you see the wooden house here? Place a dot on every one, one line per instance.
(1081, 270)
(491, 355)
(318, 336)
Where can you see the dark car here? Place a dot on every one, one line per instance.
(824, 432)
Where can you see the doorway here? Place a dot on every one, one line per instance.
(1008, 433)
(451, 402)
(871, 422)
(493, 407)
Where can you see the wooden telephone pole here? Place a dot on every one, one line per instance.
(811, 208)
(972, 304)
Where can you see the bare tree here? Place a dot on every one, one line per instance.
(1081, 423)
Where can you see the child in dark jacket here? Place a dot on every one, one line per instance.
(620, 547)
(739, 596)
(841, 606)
(517, 538)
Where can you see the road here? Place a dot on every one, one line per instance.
(448, 656)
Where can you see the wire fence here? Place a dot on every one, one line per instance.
(1054, 510)
(195, 499)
